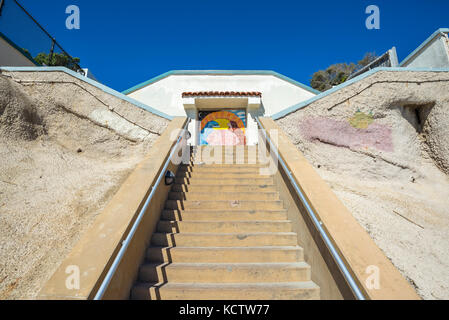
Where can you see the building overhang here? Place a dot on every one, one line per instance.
(221, 100)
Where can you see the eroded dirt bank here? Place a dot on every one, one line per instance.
(382, 144)
(65, 149)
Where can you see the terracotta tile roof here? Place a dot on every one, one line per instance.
(221, 93)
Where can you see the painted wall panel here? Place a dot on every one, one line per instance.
(166, 94)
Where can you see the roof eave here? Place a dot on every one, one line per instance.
(219, 72)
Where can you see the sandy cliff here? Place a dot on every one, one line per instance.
(65, 148)
(382, 144)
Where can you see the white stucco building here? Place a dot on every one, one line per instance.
(432, 53)
(222, 104)
(12, 55)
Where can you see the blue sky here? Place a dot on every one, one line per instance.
(128, 42)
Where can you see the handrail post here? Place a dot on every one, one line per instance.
(50, 56)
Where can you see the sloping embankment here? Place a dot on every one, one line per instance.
(65, 148)
(382, 144)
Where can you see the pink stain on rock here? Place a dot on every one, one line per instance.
(342, 134)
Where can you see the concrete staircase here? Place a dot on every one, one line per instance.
(224, 234)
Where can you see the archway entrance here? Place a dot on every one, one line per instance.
(223, 118)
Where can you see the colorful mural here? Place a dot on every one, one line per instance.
(223, 127)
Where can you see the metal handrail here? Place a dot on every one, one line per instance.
(2, 2)
(318, 224)
(382, 61)
(107, 279)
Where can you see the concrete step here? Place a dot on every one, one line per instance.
(225, 166)
(224, 272)
(215, 151)
(245, 147)
(225, 204)
(224, 226)
(209, 158)
(225, 149)
(258, 239)
(224, 188)
(225, 254)
(194, 196)
(262, 180)
(218, 153)
(235, 162)
(232, 169)
(206, 157)
(219, 175)
(230, 160)
(306, 290)
(223, 215)
(203, 148)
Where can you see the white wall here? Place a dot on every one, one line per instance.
(166, 94)
(252, 136)
(11, 57)
(89, 74)
(434, 55)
